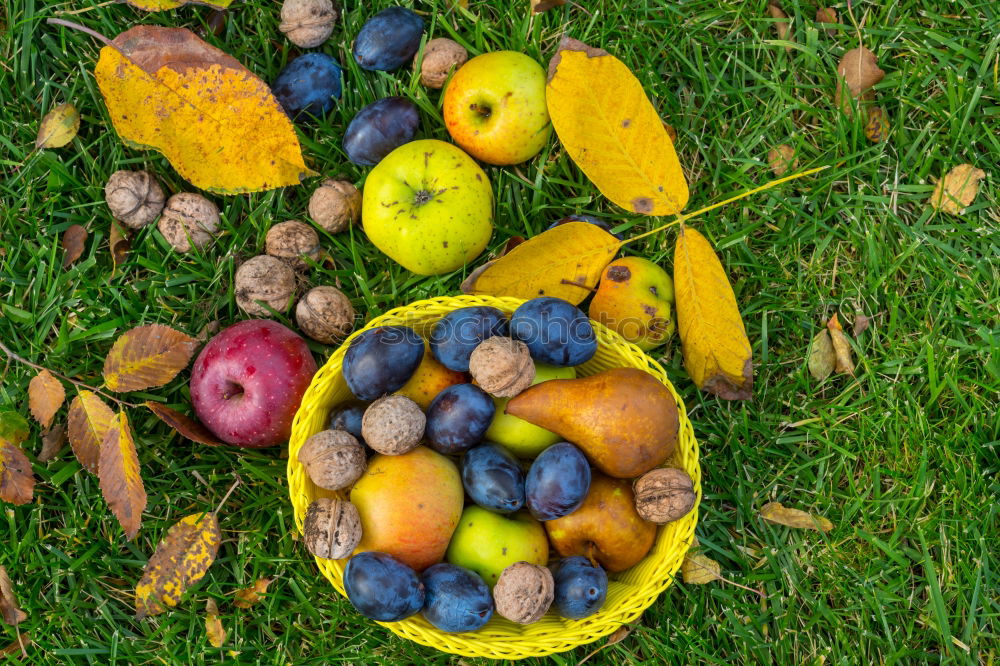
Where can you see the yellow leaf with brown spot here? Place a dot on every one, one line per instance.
(119, 475)
(717, 353)
(213, 625)
(180, 561)
(58, 127)
(776, 512)
(147, 356)
(250, 596)
(90, 419)
(698, 568)
(957, 189)
(565, 262)
(217, 123)
(17, 480)
(608, 126)
(877, 125)
(45, 396)
(160, 5)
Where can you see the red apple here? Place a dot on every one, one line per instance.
(248, 381)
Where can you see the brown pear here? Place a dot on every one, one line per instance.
(623, 419)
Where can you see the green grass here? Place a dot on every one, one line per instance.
(902, 457)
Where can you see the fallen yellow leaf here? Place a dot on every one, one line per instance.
(147, 356)
(841, 347)
(698, 568)
(957, 189)
(250, 596)
(90, 419)
(58, 127)
(180, 560)
(822, 358)
(776, 512)
(213, 625)
(119, 475)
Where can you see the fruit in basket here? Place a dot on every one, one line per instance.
(308, 84)
(493, 478)
(458, 418)
(606, 527)
(380, 128)
(557, 482)
(664, 495)
(623, 419)
(636, 298)
(388, 40)
(524, 592)
(332, 528)
(409, 505)
(248, 381)
(429, 379)
(456, 599)
(556, 331)
(581, 588)
(521, 438)
(494, 108)
(382, 588)
(489, 542)
(333, 459)
(381, 360)
(456, 335)
(502, 367)
(429, 207)
(393, 425)
(589, 219)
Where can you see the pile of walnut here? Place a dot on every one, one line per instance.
(190, 222)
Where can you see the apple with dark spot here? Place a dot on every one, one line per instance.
(248, 381)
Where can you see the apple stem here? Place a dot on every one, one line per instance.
(229, 492)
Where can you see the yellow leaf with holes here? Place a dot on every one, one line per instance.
(45, 396)
(119, 475)
(58, 127)
(614, 134)
(716, 349)
(17, 481)
(90, 419)
(147, 356)
(160, 5)
(776, 512)
(180, 561)
(217, 123)
(565, 262)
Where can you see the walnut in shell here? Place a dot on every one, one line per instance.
(134, 197)
(325, 314)
(333, 459)
(189, 221)
(265, 279)
(291, 241)
(332, 528)
(442, 56)
(502, 366)
(335, 205)
(393, 425)
(664, 495)
(524, 592)
(307, 23)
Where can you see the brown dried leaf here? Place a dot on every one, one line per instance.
(9, 610)
(619, 634)
(45, 396)
(180, 560)
(119, 243)
(52, 442)
(90, 419)
(957, 189)
(841, 347)
(782, 159)
(828, 15)
(822, 358)
(861, 324)
(539, 6)
(860, 71)
(147, 356)
(776, 512)
(17, 481)
(73, 240)
(120, 478)
(19, 644)
(250, 596)
(185, 425)
(213, 625)
(781, 25)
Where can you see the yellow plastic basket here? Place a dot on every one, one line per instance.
(629, 593)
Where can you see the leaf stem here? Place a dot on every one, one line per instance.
(76, 26)
(20, 359)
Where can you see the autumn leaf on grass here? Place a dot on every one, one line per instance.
(185, 425)
(841, 347)
(13, 427)
(119, 242)
(828, 15)
(147, 356)
(19, 644)
(52, 441)
(716, 349)
(822, 358)
(58, 127)
(250, 596)
(160, 5)
(9, 609)
(859, 70)
(539, 6)
(957, 189)
(17, 481)
(45, 396)
(213, 625)
(121, 480)
(781, 24)
(698, 568)
(180, 560)
(72, 242)
(776, 512)
(608, 126)
(782, 159)
(565, 262)
(90, 419)
(876, 125)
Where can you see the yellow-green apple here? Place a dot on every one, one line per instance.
(494, 108)
(606, 527)
(429, 207)
(488, 542)
(429, 379)
(635, 298)
(523, 439)
(409, 506)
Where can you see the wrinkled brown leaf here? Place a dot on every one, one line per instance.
(147, 356)
(73, 240)
(829, 16)
(19, 644)
(250, 596)
(9, 609)
(120, 478)
(180, 560)
(17, 480)
(861, 324)
(90, 419)
(213, 625)
(781, 24)
(185, 425)
(776, 512)
(876, 125)
(58, 127)
(841, 347)
(119, 242)
(957, 189)
(822, 358)
(45, 396)
(52, 441)
(860, 71)
(782, 159)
